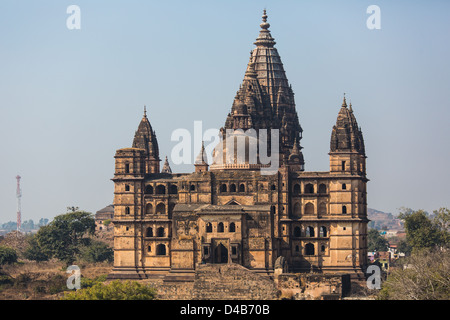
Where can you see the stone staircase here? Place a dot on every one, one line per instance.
(221, 282)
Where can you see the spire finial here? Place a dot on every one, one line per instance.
(265, 25)
(145, 111)
(344, 103)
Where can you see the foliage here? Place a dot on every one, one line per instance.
(7, 256)
(116, 290)
(97, 252)
(376, 242)
(34, 251)
(421, 231)
(87, 283)
(63, 237)
(425, 276)
(106, 222)
(442, 222)
(404, 247)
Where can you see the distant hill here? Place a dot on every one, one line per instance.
(383, 220)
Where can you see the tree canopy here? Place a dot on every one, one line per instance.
(423, 232)
(376, 242)
(63, 237)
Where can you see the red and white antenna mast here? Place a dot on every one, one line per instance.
(19, 209)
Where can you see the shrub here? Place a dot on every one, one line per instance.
(7, 256)
(97, 252)
(116, 290)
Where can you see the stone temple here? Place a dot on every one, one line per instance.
(169, 224)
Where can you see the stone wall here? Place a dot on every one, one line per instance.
(218, 282)
(302, 286)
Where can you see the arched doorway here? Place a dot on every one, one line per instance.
(220, 254)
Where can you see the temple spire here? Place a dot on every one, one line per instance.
(265, 38)
(201, 163)
(166, 167)
(344, 103)
(145, 138)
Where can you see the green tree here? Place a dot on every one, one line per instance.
(28, 225)
(7, 256)
(64, 236)
(97, 252)
(442, 222)
(43, 222)
(376, 242)
(404, 247)
(34, 251)
(116, 290)
(421, 232)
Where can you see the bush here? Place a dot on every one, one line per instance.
(97, 252)
(87, 283)
(425, 276)
(7, 256)
(34, 251)
(116, 290)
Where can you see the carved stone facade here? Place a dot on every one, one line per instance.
(167, 224)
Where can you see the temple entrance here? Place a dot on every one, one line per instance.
(220, 251)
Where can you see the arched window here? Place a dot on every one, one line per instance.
(192, 188)
(297, 232)
(220, 227)
(322, 208)
(297, 248)
(296, 189)
(322, 248)
(242, 187)
(233, 188)
(232, 227)
(127, 168)
(323, 232)
(273, 187)
(209, 227)
(161, 208)
(149, 232)
(173, 189)
(127, 210)
(161, 250)
(149, 208)
(127, 187)
(322, 188)
(344, 209)
(343, 165)
(309, 208)
(344, 186)
(149, 249)
(223, 188)
(310, 232)
(309, 188)
(309, 249)
(160, 189)
(160, 232)
(148, 189)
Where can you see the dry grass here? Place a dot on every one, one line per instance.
(43, 280)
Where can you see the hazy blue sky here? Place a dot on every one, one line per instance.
(70, 98)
